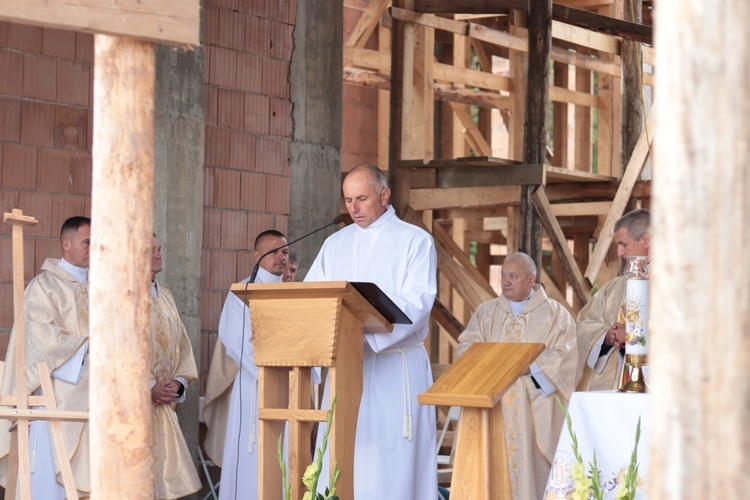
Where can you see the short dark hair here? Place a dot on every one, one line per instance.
(636, 222)
(265, 234)
(74, 224)
(293, 256)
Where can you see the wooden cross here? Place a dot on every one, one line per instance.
(122, 218)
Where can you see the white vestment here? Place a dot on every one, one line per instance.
(394, 455)
(239, 471)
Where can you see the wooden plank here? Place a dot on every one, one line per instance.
(584, 37)
(496, 37)
(553, 291)
(603, 24)
(473, 136)
(298, 414)
(458, 254)
(449, 73)
(430, 199)
(162, 21)
(384, 101)
(367, 78)
(640, 153)
(573, 97)
(300, 399)
(367, 58)
(469, 6)
(480, 98)
(471, 176)
(441, 23)
(583, 123)
(575, 209)
(367, 23)
(31, 414)
(556, 236)
(560, 118)
(446, 319)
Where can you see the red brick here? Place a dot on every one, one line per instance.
(257, 222)
(64, 207)
(242, 150)
(292, 13)
(71, 127)
(360, 118)
(271, 155)
(73, 83)
(223, 266)
(281, 223)
(210, 100)
(8, 201)
(275, 78)
(85, 47)
(249, 72)
(10, 120)
(217, 147)
(211, 14)
(245, 262)
(11, 73)
(4, 27)
(233, 229)
(254, 7)
(59, 43)
(19, 166)
(257, 113)
(221, 66)
(211, 229)
(211, 304)
(358, 95)
(45, 248)
(351, 160)
(90, 124)
(39, 77)
(205, 268)
(277, 10)
(231, 30)
(257, 35)
(277, 200)
(53, 170)
(25, 38)
(351, 17)
(226, 188)
(6, 309)
(80, 173)
(253, 192)
(227, 4)
(280, 117)
(208, 188)
(281, 43)
(37, 123)
(231, 105)
(38, 205)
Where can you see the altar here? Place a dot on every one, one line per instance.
(604, 422)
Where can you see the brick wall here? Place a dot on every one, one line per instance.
(46, 96)
(248, 124)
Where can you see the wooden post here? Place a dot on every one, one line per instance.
(122, 225)
(535, 134)
(632, 108)
(700, 303)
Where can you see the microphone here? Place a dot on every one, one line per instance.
(336, 220)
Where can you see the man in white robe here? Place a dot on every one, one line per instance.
(394, 454)
(231, 413)
(601, 327)
(532, 417)
(56, 327)
(172, 367)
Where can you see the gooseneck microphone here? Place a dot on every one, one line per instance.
(336, 220)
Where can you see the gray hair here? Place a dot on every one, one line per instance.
(377, 177)
(528, 261)
(636, 222)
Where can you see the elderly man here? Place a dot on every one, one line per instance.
(56, 325)
(231, 410)
(172, 367)
(290, 271)
(394, 455)
(600, 333)
(532, 417)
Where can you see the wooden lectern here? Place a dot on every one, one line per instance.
(298, 326)
(476, 382)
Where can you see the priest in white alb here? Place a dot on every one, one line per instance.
(57, 333)
(532, 417)
(231, 408)
(394, 453)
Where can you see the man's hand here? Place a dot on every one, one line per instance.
(615, 336)
(165, 391)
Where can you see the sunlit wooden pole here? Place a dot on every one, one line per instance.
(122, 225)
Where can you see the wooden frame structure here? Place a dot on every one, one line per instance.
(455, 89)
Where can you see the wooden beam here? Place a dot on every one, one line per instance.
(603, 24)
(162, 21)
(556, 236)
(473, 136)
(446, 319)
(450, 73)
(469, 6)
(355, 57)
(431, 199)
(585, 37)
(470, 176)
(633, 170)
(553, 291)
(367, 23)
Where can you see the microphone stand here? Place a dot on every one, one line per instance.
(336, 220)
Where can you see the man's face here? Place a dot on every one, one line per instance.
(290, 272)
(627, 246)
(516, 280)
(362, 200)
(75, 246)
(156, 266)
(275, 262)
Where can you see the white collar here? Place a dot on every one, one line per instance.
(387, 216)
(264, 276)
(79, 273)
(518, 307)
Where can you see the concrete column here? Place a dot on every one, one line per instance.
(316, 81)
(178, 196)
